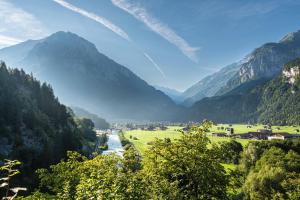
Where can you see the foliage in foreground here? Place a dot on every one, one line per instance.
(182, 169)
(186, 168)
(8, 170)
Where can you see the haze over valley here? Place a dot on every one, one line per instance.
(124, 99)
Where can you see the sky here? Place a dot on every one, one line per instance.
(170, 43)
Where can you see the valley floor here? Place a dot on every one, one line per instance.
(142, 139)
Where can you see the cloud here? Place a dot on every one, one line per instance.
(7, 41)
(108, 24)
(155, 64)
(158, 27)
(96, 18)
(17, 24)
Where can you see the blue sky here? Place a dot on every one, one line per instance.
(172, 43)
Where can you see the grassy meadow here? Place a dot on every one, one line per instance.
(141, 138)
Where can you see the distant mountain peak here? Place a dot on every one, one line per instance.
(80, 75)
(290, 37)
(69, 39)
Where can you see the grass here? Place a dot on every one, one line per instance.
(242, 128)
(213, 139)
(144, 137)
(141, 138)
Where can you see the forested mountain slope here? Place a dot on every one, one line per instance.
(274, 101)
(35, 127)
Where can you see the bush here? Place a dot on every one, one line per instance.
(103, 147)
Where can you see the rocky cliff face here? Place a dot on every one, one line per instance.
(266, 61)
(292, 74)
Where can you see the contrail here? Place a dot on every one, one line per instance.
(108, 24)
(155, 64)
(158, 27)
(96, 18)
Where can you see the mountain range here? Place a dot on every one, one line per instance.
(266, 101)
(81, 76)
(241, 92)
(209, 86)
(264, 62)
(175, 95)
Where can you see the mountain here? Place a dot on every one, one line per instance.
(83, 77)
(208, 86)
(266, 61)
(264, 100)
(99, 123)
(239, 106)
(280, 102)
(172, 93)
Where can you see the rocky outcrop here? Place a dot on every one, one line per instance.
(292, 74)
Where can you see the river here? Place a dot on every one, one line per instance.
(114, 144)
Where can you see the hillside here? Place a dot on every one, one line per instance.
(281, 98)
(99, 123)
(266, 61)
(35, 127)
(83, 77)
(208, 86)
(274, 101)
(172, 93)
(237, 107)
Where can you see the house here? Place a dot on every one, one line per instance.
(219, 134)
(253, 135)
(186, 129)
(230, 130)
(283, 136)
(267, 131)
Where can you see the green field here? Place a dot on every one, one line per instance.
(242, 128)
(141, 138)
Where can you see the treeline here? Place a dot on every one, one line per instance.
(35, 128)
(99, 122)
(187, 168)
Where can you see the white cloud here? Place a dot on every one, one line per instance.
(155, 64)
(7, 41)
(158, 27)
(17, 24)
(114, 28)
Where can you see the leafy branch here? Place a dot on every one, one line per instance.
(5, 182)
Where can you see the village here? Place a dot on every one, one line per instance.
(239, 131)
(261, 134)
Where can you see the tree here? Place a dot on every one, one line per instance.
(186, 168)
(231, 151)
(9, 171)
(275, 176)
